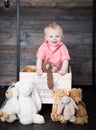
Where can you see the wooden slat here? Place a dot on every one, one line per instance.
(7, 67)
(49, 2)
(7, 52)
(7, 80)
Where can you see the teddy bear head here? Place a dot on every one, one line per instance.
(58, 94)
(76, 94)
(46, 67)
(11, 91)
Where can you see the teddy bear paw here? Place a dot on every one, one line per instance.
(1, 113)
(12, 118)
(61, 119)
(81, 121)
(54, 117)
(6, 116)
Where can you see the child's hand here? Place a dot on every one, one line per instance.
(39, 72)
(62, 72)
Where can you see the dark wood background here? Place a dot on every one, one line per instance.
(76, 20)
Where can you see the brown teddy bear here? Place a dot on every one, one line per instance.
(58, 94)
(47, 68)
(81, 113)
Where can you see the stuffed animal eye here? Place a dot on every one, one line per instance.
(61, 96)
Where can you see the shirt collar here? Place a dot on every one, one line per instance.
(60, 44)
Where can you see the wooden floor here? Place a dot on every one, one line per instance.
(89, 98)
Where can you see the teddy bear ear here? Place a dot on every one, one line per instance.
(80, 89)
(53, 91)
(72, 89)
(67, 93)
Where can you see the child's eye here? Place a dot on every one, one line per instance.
(51, 36)
(57, 36)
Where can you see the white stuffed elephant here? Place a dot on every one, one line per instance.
(30, 103)
(68, 106)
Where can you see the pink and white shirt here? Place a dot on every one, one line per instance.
(55, 57)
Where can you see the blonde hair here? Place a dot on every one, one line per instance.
(54, 26)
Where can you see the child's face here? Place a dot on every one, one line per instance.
(53, 36)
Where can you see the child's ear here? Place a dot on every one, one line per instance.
(45, 37)
(62, 38)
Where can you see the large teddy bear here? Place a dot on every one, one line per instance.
(81, 113)
(30, 103)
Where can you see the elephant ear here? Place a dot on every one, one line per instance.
(61, 106)
(74, 104)
(36, 98)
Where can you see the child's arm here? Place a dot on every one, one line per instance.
(39, 67)
(64, 67)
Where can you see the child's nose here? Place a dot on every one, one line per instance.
(54, 38)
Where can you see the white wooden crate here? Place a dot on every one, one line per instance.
(60, 82)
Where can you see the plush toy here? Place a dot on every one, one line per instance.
(29, 69)
(47, 68)
(81, 113)
(76, 94)
(67, 106)
(30, 103)
(10, 108)
(58, 94)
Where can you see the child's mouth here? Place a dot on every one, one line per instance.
(54, 42)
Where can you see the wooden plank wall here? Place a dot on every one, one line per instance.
(48, 3)
(77, 25)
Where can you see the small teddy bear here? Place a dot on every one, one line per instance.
(81, 113)
(67, 106)
(10, 107)
(58, 94)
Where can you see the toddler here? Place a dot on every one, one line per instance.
(53, 50)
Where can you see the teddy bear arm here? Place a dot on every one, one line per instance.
(6, 115)
(54, 117)
(1, 113)
(62, 119)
